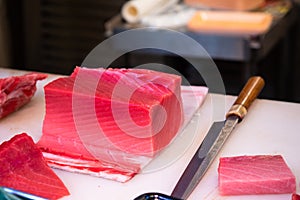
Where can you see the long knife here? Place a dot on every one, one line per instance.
(211, 144)
(215, 139)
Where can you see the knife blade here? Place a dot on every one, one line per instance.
(215, 139)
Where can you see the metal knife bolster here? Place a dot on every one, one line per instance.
(237, 110)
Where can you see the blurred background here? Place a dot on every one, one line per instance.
(55, 35)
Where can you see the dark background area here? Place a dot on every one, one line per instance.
(55, 35)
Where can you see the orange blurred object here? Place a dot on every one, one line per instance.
(230, 22)
(240, 5)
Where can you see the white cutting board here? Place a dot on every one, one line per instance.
(270, 127)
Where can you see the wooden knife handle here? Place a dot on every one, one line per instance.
(248, 94)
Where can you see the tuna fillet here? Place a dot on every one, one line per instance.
(17, 91)
(24, 168)
(110, 122)
(262, 174)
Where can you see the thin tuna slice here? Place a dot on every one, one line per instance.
(16, 91)
(260, 174)
(110, 122)
(23, 168)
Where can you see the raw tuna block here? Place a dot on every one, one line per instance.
(16, 91)
(24, 168)
(261, 174)
(110, 122)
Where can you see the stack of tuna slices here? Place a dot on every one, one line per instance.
(110, 122)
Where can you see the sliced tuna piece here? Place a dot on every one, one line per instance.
(16, 91)
(110, 122)
(260, 174)
(24, 168)
(295, 196)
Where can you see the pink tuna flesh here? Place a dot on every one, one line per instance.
(16, 91)
(261, 174)
(112, 117)
(24, 168)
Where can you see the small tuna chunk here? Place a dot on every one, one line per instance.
(260, 174)
(110, 122)
(16, 91)
(24, 168)
(295, 196)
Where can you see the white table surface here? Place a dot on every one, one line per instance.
(271, 127)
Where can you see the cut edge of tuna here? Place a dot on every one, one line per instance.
(24, 168)
(255, 174)
(17, 91)
(87, 166)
